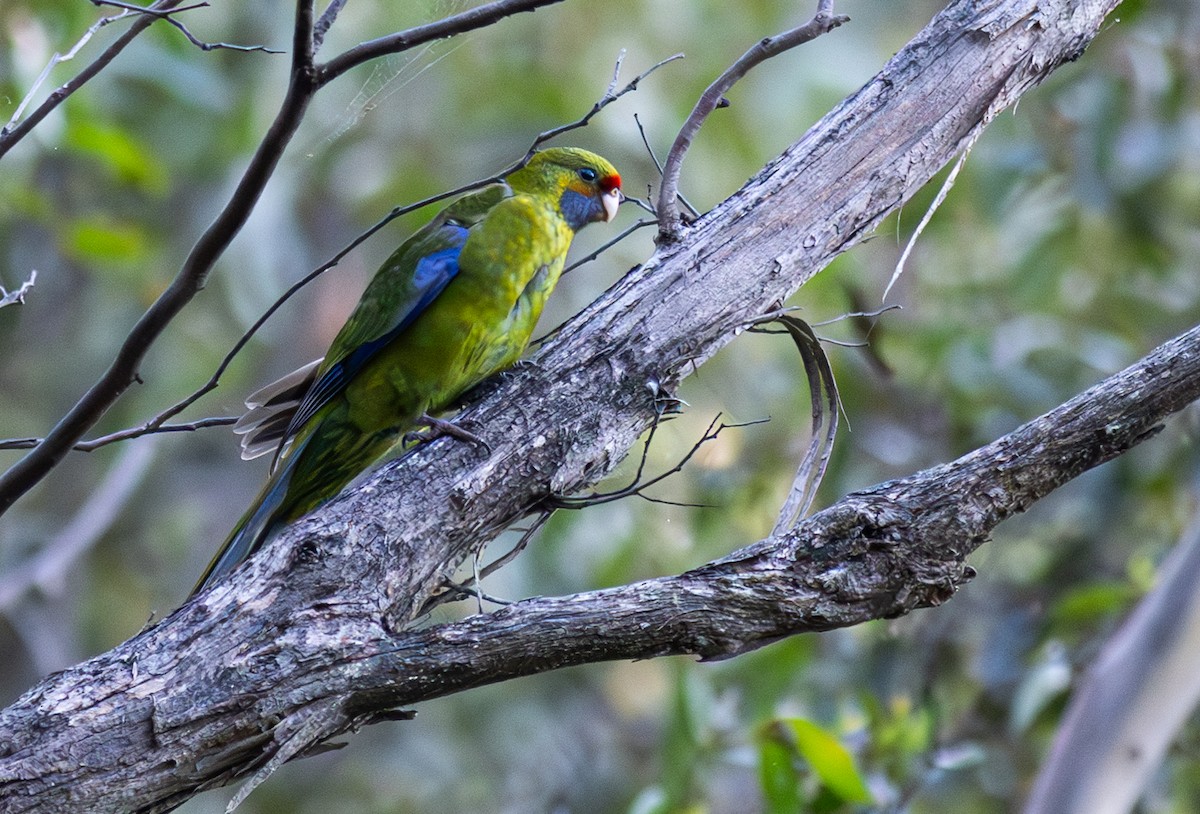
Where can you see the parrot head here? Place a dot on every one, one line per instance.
(586, 186)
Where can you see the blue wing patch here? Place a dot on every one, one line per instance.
(431, 276)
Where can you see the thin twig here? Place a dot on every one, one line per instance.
(124, 435)
(938, 200)
(878, 312)
(822, 22)
(693, 211)
(469, 20)
(646, 143)
(636, 486)
(17, 295)
(606, 100)
(169, 16)
(16, 130)
(633, 227)
(459, 590)
(57, 59)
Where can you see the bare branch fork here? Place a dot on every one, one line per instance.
(713, 97)
(306, 78)
(17, 295)
(311, 638)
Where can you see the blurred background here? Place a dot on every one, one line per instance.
(1069, 247)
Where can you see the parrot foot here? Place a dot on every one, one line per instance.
(439, 427)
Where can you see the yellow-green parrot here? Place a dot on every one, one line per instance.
(454, 304)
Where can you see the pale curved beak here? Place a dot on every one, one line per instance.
(611, 200)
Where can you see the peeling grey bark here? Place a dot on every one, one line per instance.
(314, 638)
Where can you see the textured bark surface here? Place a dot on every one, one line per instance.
(312, 638)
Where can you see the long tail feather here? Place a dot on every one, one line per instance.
(253, 529)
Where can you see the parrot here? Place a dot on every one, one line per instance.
(454, 304)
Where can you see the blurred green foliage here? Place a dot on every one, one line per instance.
(1067, 249)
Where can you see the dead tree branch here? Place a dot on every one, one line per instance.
(311, 638)
(17, 295)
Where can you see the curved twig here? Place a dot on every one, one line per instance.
(822, 22)
(826, 406)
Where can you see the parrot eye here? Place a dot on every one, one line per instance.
(588, 174)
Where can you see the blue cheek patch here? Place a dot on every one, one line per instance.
(578, 209)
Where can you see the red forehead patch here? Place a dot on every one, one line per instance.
(610, 182)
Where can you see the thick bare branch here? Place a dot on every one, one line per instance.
(1139, 692)
(310, 638)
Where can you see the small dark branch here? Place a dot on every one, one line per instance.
(610, 96)
(14, 131)
(461, 590)
(646, 143)
(169, 16)
(695, 213)
(190, 279)
(470, 20)
(326, 22)
(629, 230)
(148, 428)
(637, 486)
(17, 295)
(714, 96)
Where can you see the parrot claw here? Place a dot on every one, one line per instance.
(439, 427)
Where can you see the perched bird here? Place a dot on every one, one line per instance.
(454, 304)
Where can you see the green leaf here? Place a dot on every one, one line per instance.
(777, 775)
(1092, 603)
(830, 760)
(1042, 684)
(128, 159)
(99, 239)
